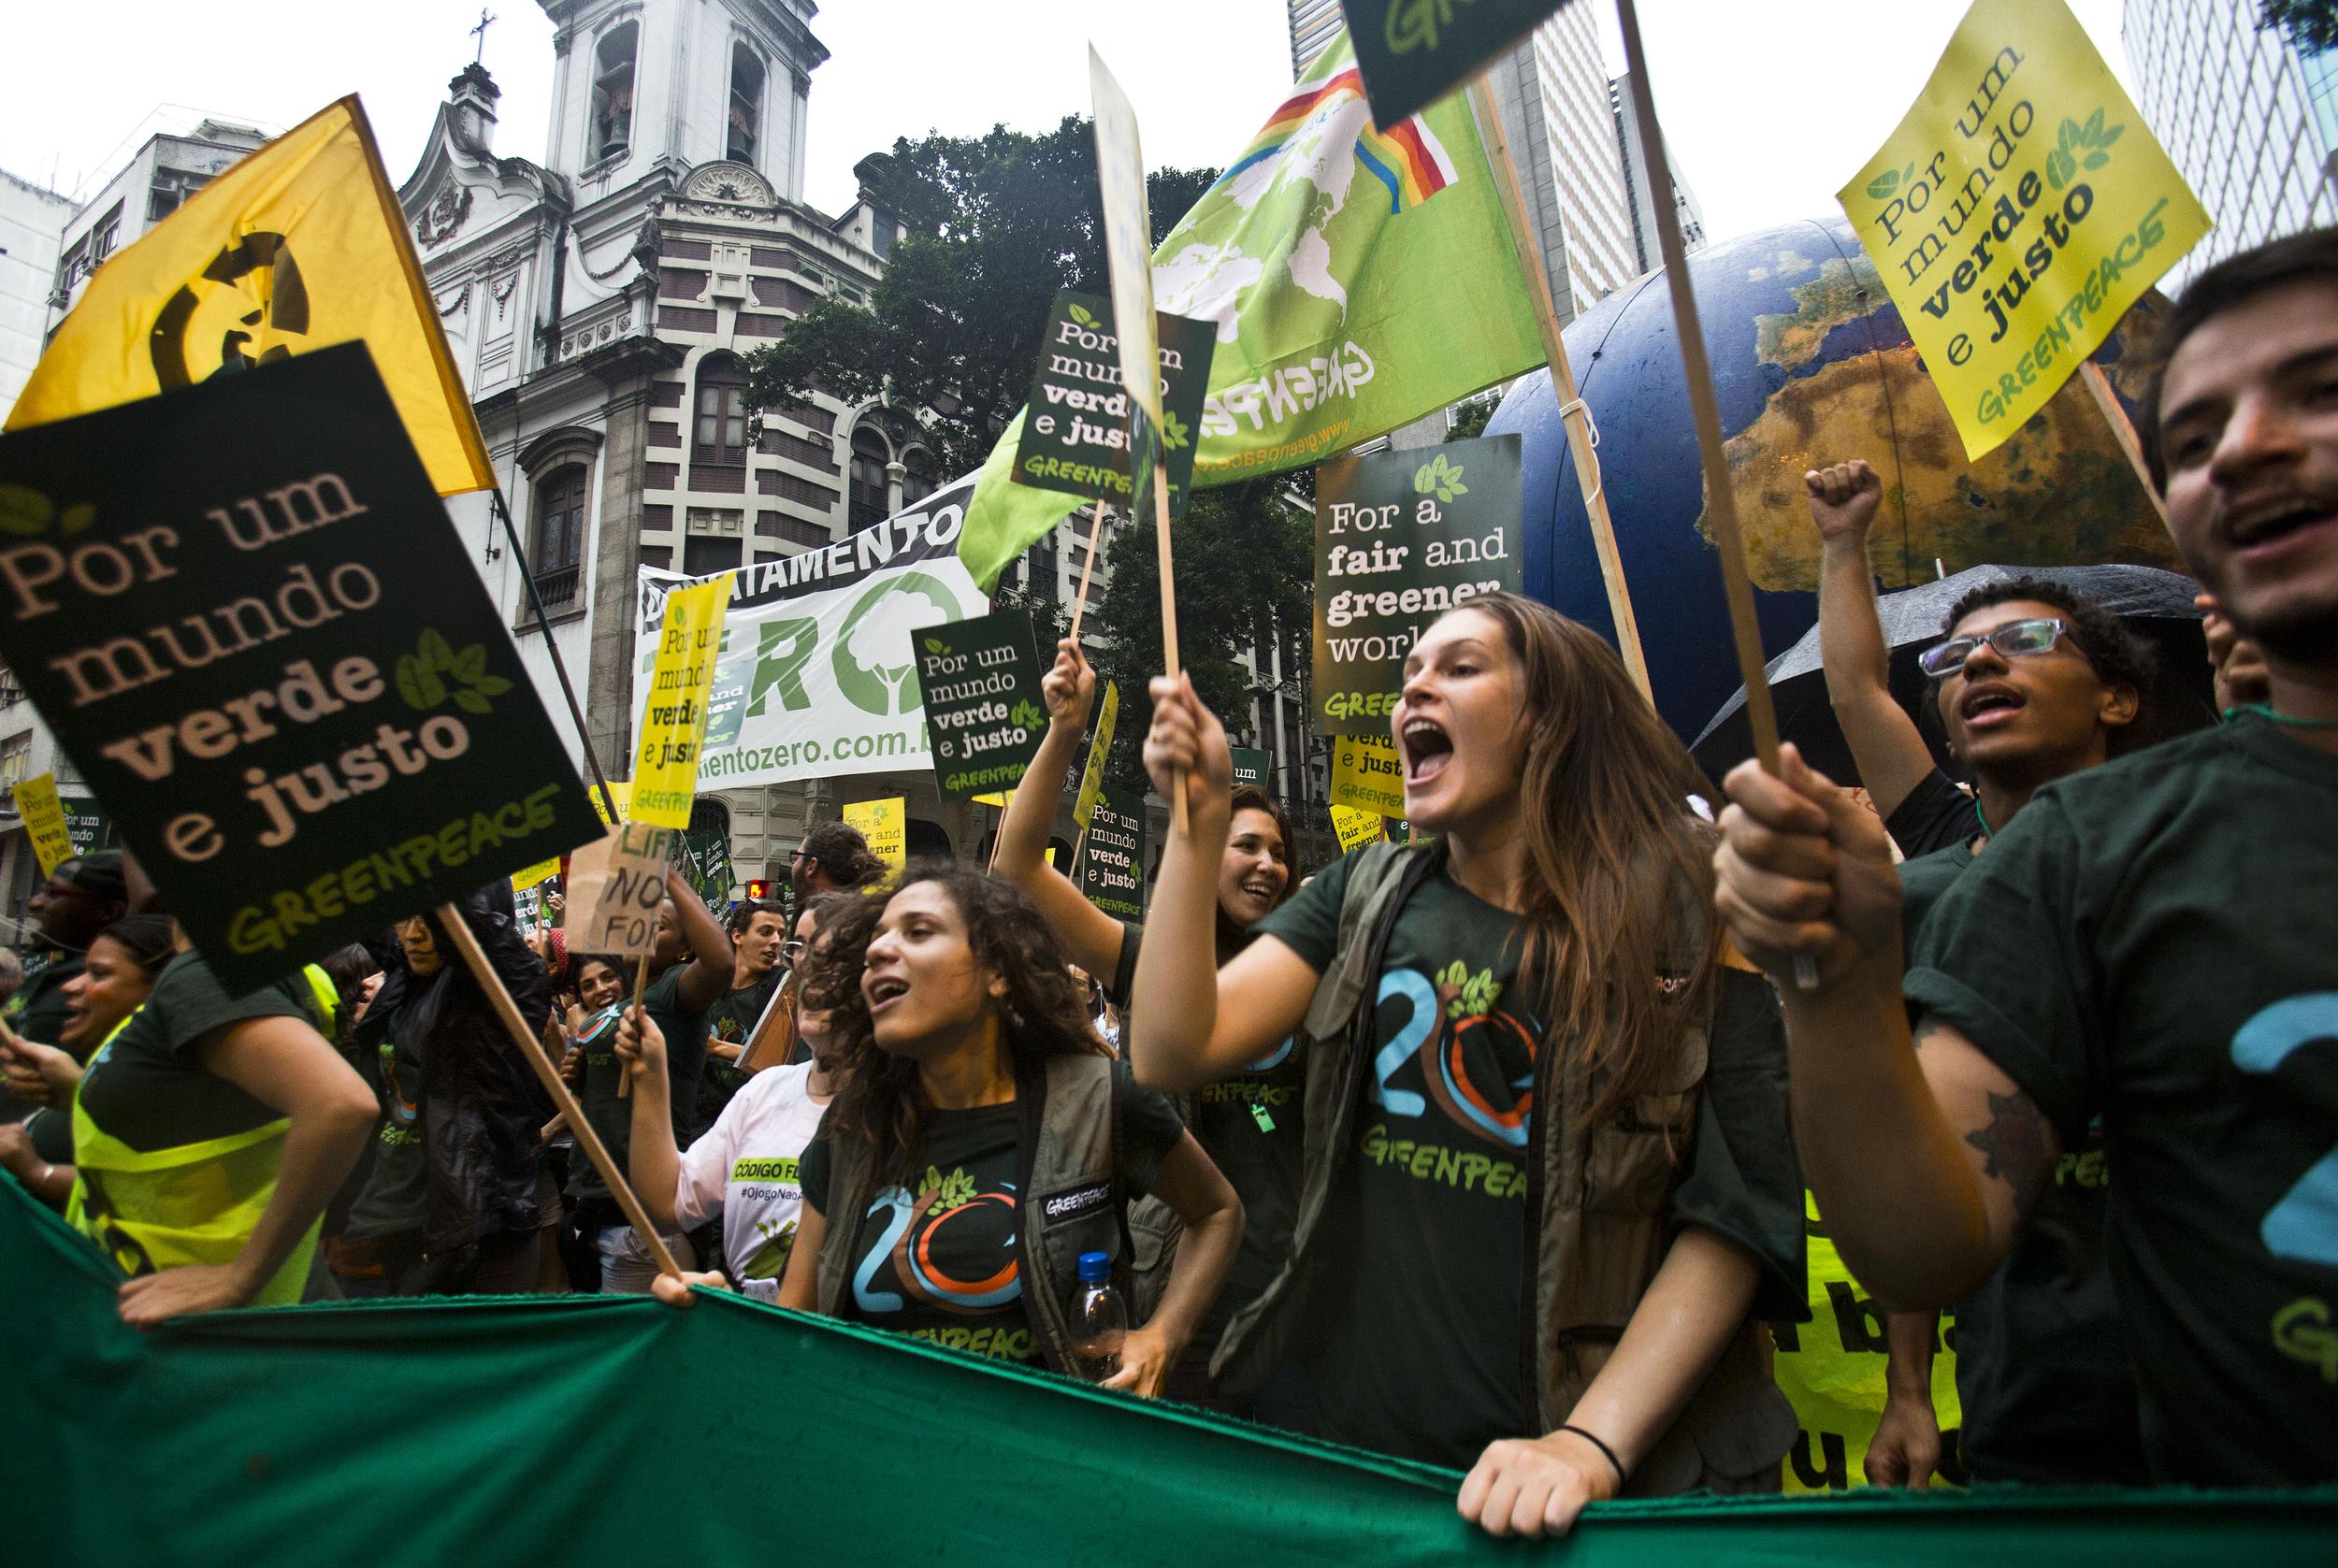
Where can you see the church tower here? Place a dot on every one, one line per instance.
(649, 86)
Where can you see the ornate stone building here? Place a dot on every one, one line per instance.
(599, 306)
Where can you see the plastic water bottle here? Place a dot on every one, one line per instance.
(1099, 1321)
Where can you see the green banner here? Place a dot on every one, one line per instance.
(547, 1428)
(1251, 766)
(1400, 538)
(1358, 277)
(1076, 439)
(1112, 871)
(980, 681)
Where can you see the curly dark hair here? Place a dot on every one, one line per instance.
(1044, 1013)
(743, 915)
(2120, 657)
(844, 854)
(617, 966)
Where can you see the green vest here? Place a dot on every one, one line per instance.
(155, 1209)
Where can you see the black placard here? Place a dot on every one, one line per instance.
(1112, 868)
(983, 713)
(245, 613)
(1400, 538)
(1076, 428)
(1412, 52)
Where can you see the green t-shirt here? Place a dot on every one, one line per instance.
(1417, 1312)
(144, 1087)
(396, 1197)
(2156, 942)
(941, 1263)
(612, 1117)
(2045, 1377)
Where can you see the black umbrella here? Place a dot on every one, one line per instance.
(2156, 604)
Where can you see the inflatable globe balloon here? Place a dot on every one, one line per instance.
(1812, 365)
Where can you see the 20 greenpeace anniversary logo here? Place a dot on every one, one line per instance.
(871, 657)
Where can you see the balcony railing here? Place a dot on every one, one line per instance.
(557, 588)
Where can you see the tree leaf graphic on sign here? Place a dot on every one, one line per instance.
(1442, 476)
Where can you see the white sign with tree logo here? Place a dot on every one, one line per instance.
(813, 679)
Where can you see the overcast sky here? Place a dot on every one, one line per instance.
(1768, 107)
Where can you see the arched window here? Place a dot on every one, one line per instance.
(746, 105)
(917, 482)
(612, 94)
(721, 434)
(556, 560)
(870, 455)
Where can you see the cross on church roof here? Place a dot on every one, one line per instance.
(485, 19)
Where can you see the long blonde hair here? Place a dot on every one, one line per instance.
(1613, 850)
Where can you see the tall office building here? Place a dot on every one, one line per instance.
(2251, 124)
(1640, 184)
(1314, 24)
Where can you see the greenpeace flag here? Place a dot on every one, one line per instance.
(1358, 277)
(298, 246)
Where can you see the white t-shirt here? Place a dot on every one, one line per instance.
(745, 1170)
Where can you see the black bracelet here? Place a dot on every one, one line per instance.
(1606, 1452)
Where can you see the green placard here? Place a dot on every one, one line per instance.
(1076, 431)
(1412, 52)
(1112, 869)
(984, 714)
(1250, 767)
(1401, 538)
(85, 823)
(243, 610)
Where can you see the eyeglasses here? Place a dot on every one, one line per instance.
(793, 947)
(2015, 640)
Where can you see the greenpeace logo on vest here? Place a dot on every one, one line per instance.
(1071, 1205)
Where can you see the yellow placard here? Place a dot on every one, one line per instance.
(999, 799)
(614, 805)
(1357, 828)
(530, 876)
(2017, 212)
(1367, 775)
(673, 719)
(1092, 780)
(886, 824)
(44, 821)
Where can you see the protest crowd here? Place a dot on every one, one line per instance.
(1493, 1147)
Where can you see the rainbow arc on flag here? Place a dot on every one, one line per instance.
(1407, 157)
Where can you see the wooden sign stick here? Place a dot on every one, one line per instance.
(1168, 622)
(1088, 568)
(2123, 432)
(641, 980)
(1720, 498)
(549, 1076)
(1574, 414)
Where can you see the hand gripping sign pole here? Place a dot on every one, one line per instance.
(1583, 436)
(451, 919)
(1719, 498)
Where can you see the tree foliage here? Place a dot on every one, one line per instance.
(1245, 565)
(2312, 25)
(996, 225)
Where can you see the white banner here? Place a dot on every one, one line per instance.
(816, 677)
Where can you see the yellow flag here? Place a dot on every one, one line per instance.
(674, 715)
(44, 821)
(300, 246)
(2018, 210)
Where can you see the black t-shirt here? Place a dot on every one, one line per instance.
(2156, 942)
(1935, 816)
(1418, 1310)
(1250, 1126)
(685, 1048)
(2043, 1373)
(940, 1263)
(396, 1194)
(731, 1020)
(144, 1087)
(613, 1117)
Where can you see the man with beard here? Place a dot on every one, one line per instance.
(2153, 941)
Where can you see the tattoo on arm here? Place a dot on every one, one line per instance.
(2015, 1147)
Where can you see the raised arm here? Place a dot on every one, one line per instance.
(1885, 741)
(1090, 937)
(707, 981)
(1183, 1031)
(652, 1164)
(291, 1069)
(1924, 1155)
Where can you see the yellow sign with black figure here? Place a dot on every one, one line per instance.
(673, 718)
(2017, 212)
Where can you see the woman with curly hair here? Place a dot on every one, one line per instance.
(982, 1141)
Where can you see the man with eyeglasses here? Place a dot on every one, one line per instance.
(2153, 942)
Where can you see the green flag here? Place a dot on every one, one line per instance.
(1359, 279)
